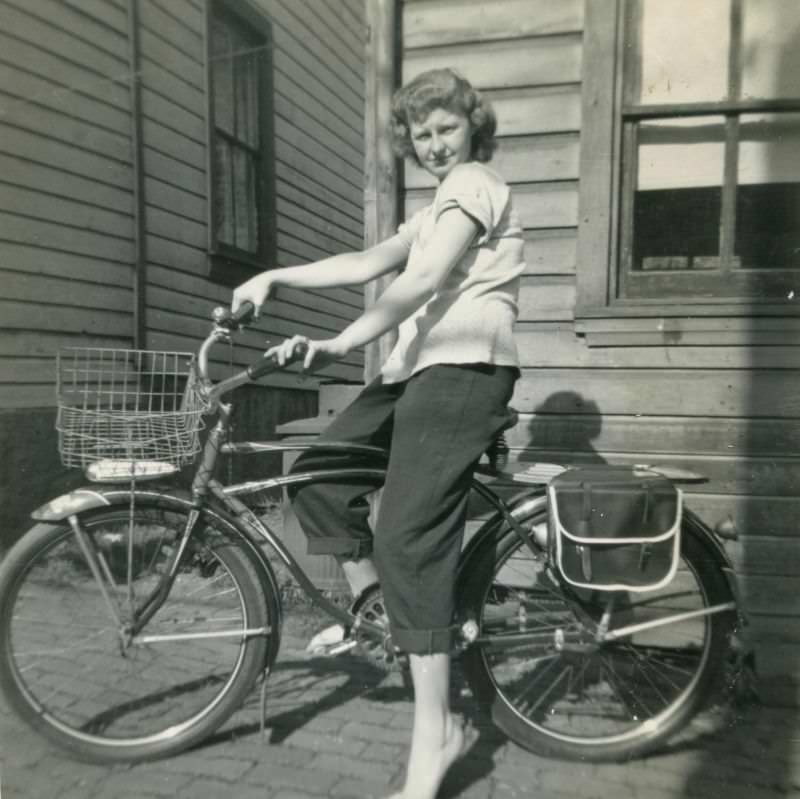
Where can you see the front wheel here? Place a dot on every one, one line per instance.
(70, 664)
(553, 689)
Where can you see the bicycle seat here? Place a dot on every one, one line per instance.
(498, 450)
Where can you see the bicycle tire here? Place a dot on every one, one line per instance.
(64, 668)
(612, 703)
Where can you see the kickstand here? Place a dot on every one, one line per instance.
(263, 703)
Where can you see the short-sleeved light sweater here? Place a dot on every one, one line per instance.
(470, 317)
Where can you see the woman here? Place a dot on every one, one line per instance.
(439, 401)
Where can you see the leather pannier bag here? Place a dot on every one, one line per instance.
(614, 528)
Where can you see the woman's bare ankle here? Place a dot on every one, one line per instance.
(432, 753)
(360, 574)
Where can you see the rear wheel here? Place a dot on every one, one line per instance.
(70, 665)
(556, 691)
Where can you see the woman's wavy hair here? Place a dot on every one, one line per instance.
(442, 88)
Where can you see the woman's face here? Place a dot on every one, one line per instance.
(441, 141)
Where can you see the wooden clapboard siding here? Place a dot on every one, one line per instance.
(680, 392)
(70, 320)
(558, 346)
(439, 22)
(537, 109)
(46, 179)
(86, 41)
(66, 188)
(42, 344)
(70, 159)
(550, 252)
(318, 121)
(69, 76)
(504, 64)
(656, 435)
(24, 92)
(719, 398)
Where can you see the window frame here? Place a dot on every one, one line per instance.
(600, 312)
(229, 265)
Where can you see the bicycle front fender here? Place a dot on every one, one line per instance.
(78, 501)
(86, 499)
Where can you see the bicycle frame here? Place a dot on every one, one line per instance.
(228, 497)
(205, 486)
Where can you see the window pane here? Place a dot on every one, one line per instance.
(223, 192)
(771, 57)
(222, 75)
(768, 198)
(676, 207)
(245, 200)
(247, 99)
(684, 50)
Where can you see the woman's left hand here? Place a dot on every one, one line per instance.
(316, 355)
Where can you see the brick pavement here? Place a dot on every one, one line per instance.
(339, 729)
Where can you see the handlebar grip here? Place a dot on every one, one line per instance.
(269, 364)
(224, 317)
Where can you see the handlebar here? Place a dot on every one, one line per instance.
(225, 323)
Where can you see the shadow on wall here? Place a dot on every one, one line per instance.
(767, 562)
(562, 430)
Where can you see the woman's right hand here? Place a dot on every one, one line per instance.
(315, 354)
(256, 290)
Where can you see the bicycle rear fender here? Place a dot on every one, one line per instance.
(710, 537)
(521, 504)
(716, 549)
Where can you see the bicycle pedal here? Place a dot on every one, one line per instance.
(332, 650)
(344, 646)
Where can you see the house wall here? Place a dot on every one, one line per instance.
(68, 222)
(724, 408)
(66, 188)
(318, 83)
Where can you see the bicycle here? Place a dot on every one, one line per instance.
(136, 617)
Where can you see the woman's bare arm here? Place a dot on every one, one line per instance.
(345, 269)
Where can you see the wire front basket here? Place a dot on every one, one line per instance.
(132, 405)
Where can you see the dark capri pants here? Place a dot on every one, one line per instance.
(436, 425)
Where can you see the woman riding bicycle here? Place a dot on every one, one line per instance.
(440, 399)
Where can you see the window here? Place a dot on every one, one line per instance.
(693, 176)
(241, 166)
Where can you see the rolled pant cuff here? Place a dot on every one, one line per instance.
(348, 548)
(425, 642)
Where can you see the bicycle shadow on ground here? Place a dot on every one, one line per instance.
(299, 690)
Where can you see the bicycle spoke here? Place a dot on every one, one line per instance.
(624, 692)
(521, 699)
